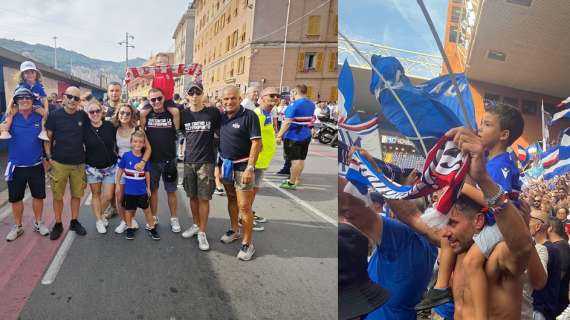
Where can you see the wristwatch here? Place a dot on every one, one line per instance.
(498, 202)
(250, 168)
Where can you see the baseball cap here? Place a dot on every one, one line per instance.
(194, 84)
(269, 90)
(357, 294)
(28, 65)
(23, 92)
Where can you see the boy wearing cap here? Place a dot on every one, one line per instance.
(29, 78)
(25, 167)
(198, 125)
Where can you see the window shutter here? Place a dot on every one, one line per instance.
(334, 93)
(319, 63)
(314, 25)
(301, 62)
(310, 92)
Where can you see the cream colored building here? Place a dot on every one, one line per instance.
(183, 40)
(241, 42)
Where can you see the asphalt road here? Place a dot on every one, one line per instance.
(293, 274)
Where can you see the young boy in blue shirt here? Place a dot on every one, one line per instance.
(500, 126)
(137, 186)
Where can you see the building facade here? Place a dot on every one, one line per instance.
(183, 41)
(511, 52)
(241, 42)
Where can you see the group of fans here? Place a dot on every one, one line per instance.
(122, 152)
(502, 254)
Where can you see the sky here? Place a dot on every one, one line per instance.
(394, 23)
(94, 27)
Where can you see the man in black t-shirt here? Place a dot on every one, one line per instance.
(161, 135)
(66, 157)
(240, 144)
(556, 234)
(199, 124)
(113, 99)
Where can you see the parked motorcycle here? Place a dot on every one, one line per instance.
(328, 133)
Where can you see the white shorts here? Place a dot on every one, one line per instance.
(488, 238)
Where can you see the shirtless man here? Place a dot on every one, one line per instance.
(508, 261)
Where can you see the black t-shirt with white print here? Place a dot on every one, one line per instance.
(199, 128)
(161, 134)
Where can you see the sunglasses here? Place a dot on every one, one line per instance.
(273, 96)
(153, 100)
(124, 113)
(195, 92)
(72, 97)
(95, 111)
(24, 98)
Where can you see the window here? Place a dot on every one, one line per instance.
(310, 93)
(455, 14)
(334, 94)
(314, 27)
(231, 69)
(241, 65)
(235, 38)
(453, 33)
(529, 107)
(229, 17)
(525, 3)
(333, 62)
(228, 43)
(310, 61)
(497, 55)
(243, 28)
(511, 101)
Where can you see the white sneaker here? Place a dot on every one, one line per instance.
(190, 232)
(14, 233)
(246, 252)
(100, 225)
(40, 228)
(3, 136)
(174, 225)
(230, 236)
(121, 228)
(203, 241)
(43, 136)
(135, 224)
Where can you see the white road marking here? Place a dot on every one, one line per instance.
(57, 262)
(89, 198)
(302, 203)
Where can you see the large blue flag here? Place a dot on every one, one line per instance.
(433, 106)
(346, 89)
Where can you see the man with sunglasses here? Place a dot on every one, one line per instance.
(269, 100)
(240, 144)
(66, 157)
(25, 166)
(199, 123)
(161, 133)
(545, 301)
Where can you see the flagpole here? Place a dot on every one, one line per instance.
(543, 128)
(421, 140)
(447, 64)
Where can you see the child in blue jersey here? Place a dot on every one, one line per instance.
(31, 79)
(137, 186)
(500, 126)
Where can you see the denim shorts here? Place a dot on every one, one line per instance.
(104, 176)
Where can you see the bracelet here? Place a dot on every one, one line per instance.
(493, 200)
(143, 160)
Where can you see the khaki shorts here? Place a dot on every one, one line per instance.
(237, 182)
(59, 174)
(199, 180)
